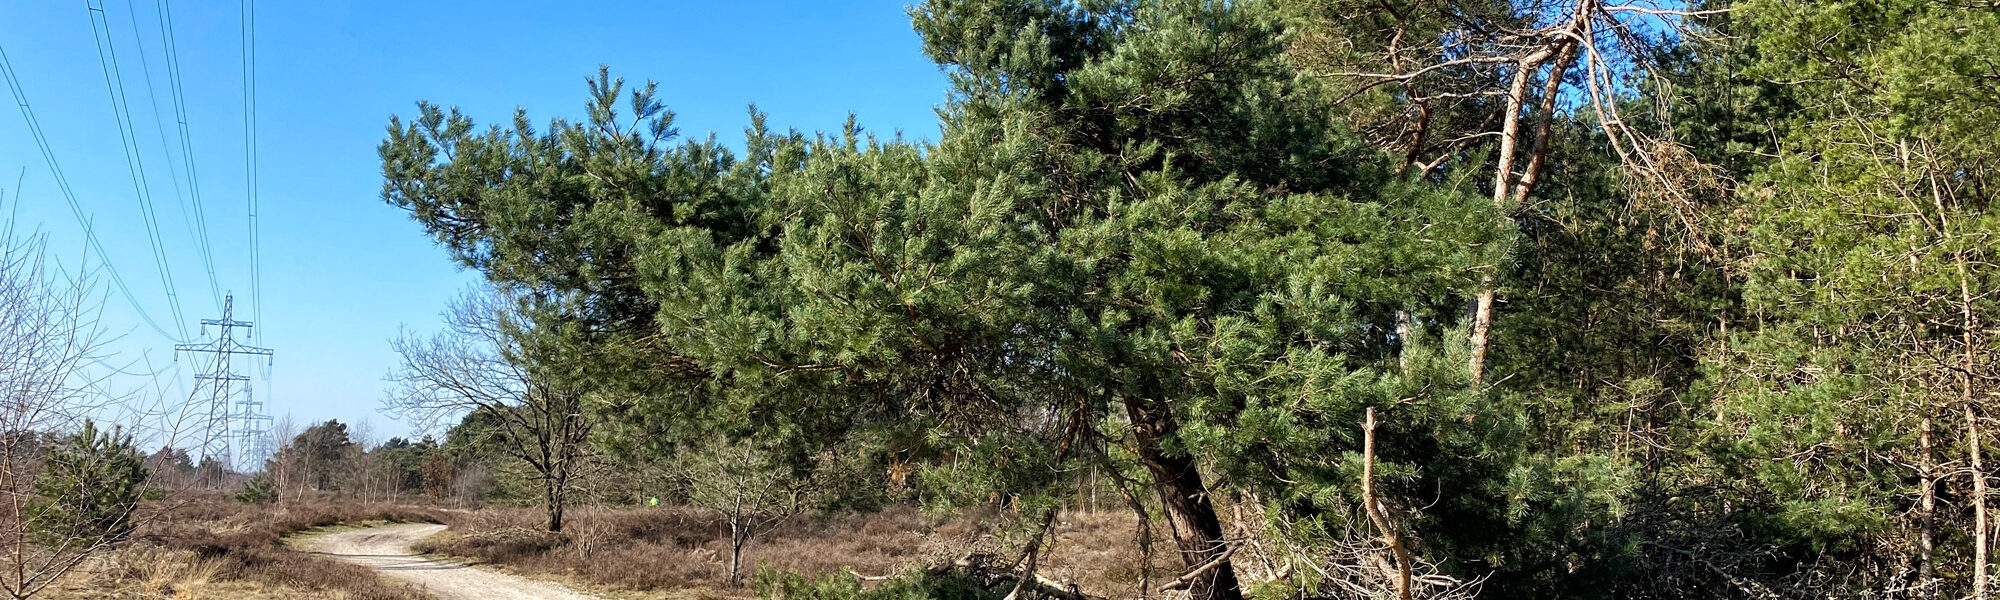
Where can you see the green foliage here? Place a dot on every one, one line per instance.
(260, 489)
(406, 459)
(319, 452)
(1137, 211)
(90, 484)
(170, 460)
(852, 477)
(479, 442)
(1871, 235)
(1151, 240)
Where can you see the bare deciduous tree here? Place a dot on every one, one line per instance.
(485, 361)
(740, 480)
(49, 335)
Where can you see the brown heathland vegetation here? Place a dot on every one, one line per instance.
(680, 552)
(210, 547)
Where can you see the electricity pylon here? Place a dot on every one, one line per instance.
(232, 422)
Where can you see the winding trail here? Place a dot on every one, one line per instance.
(386, 549)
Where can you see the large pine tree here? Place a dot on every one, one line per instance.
(1139, 230)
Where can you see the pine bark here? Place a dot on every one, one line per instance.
(1507, 190)
(1373, 506)
(1196, 527)
(1979, 526)
(1503, 193)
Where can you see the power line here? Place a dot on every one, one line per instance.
(152, 99)
(171, 57)
(135, 164)
(249, 24)
(252, 416)
(168, 38)
(14, 212)
(69, 195)
(166, 17)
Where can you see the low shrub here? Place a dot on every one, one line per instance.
(505, 545)
(918, 584)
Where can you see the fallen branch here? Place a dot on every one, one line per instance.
(979, 568)
(1186, 580)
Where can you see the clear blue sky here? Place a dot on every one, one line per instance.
(343, 271)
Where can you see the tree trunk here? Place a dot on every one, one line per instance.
(1482, 327)
(1967, 398)
(555, 496)
(1926, 513)
(1143, 534)
(738, 537)
(1373, 507)
(1505, 191)
(1979, 525)
(1034, 556)
(1184, 498)
(1403, 341)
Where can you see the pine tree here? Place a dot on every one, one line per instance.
(1139, 228)
(91, 483)
(1150, 240)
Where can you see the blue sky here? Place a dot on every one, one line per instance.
(341, 270)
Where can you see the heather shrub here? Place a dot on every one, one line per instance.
(773, 584)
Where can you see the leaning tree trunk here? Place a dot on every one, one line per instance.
(1482, 315)
(1196, 528)
(1509, 191)
(1373, 506)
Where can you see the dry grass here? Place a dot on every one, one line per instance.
(210, 547)
(216, 548)
(649, 552)
(1100, 552)
(147, 572)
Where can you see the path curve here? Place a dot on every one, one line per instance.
(386, 549)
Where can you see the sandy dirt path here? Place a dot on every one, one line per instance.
(387, 550)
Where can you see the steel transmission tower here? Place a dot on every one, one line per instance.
(234, 422)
